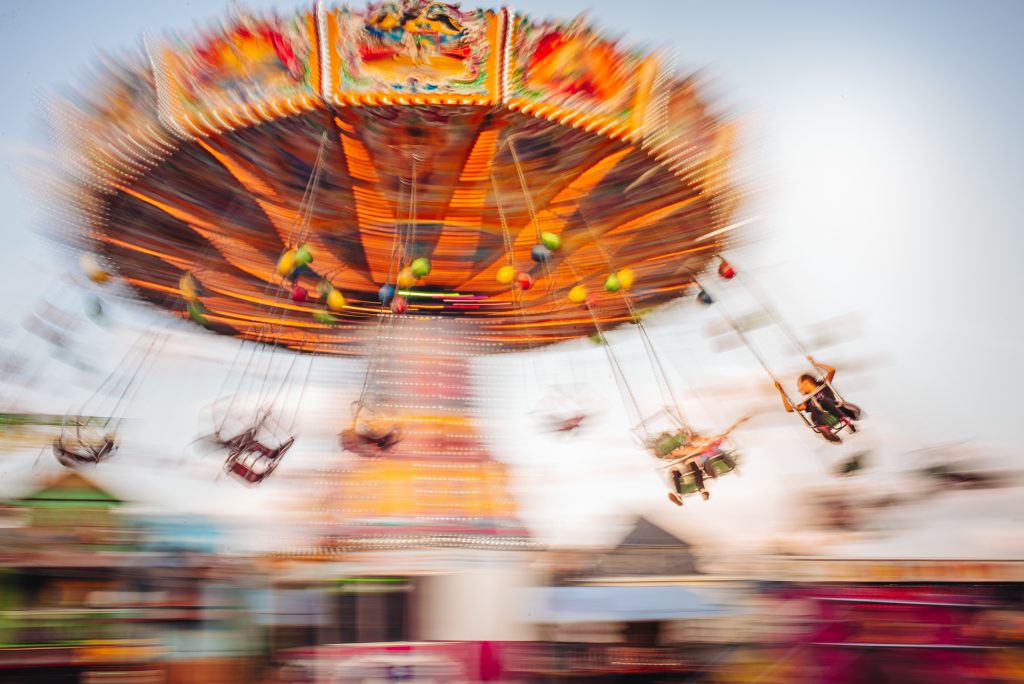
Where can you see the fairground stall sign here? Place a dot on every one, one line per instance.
(813, 570)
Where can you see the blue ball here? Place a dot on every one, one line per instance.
(540, 253)
(386, 294)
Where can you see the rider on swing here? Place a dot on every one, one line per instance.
(824, 407)
(698, 453)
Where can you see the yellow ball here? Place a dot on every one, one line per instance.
(187, 285)
(506, 274)
(93, 270)
(286, 264)
(578, 294)
(626, 278)
(406, 279)
(336, 300)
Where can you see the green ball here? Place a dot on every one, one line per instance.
(420, 267)
(303, 256)
(612, 284)
(197, 312)
(550, 240)
(324, 317)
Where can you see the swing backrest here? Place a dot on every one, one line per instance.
(271, 434)
(652, 428)
(822, 384)
(720, 466)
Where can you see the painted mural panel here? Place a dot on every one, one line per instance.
(568, 68)
(426, 50)
(249, 70)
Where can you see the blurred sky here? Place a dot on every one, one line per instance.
(883, 149)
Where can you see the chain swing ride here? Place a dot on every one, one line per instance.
(368, 154)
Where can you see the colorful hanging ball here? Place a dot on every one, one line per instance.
(188, 286)
(336, 301)
(626, 278)
(299, 294)
(612, 283)
(578, 294)
(399, 305)
(286, 264)
(506, 274)
(420, 267)
(385, 294)
(704, 298)
(524, 280)
(551, 241)
(325, 317)
(726, 271)
(303, 255)
(406, 279)
(540, 253)
(93, 270)
(197, 312)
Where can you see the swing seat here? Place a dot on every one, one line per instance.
(238, 441)
(254, 462)
(687, 483)
(369, 444)
(667, 442)
(719, 464)
(71, 448)
(560, 410)
(371, 434)
(235, 429)
(834, 425)
(570, 424)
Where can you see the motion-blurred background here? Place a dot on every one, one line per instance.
(519, 530)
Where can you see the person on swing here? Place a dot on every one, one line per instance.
(823, 406)
(676, 482)
(697, 457)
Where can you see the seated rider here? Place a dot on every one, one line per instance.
(824, 407)
(696, 454)
(686, 443)
(675, 473)
(697, 470)
(713, 451)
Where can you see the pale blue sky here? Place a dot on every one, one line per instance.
(883, 146)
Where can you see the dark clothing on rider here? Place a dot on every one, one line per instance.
(824, 403)
(698, 475)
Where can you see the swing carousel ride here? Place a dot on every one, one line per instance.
(332, 181)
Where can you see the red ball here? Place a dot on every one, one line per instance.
(299, 293)
(524, 280)
(399, 305)
(725, 270)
